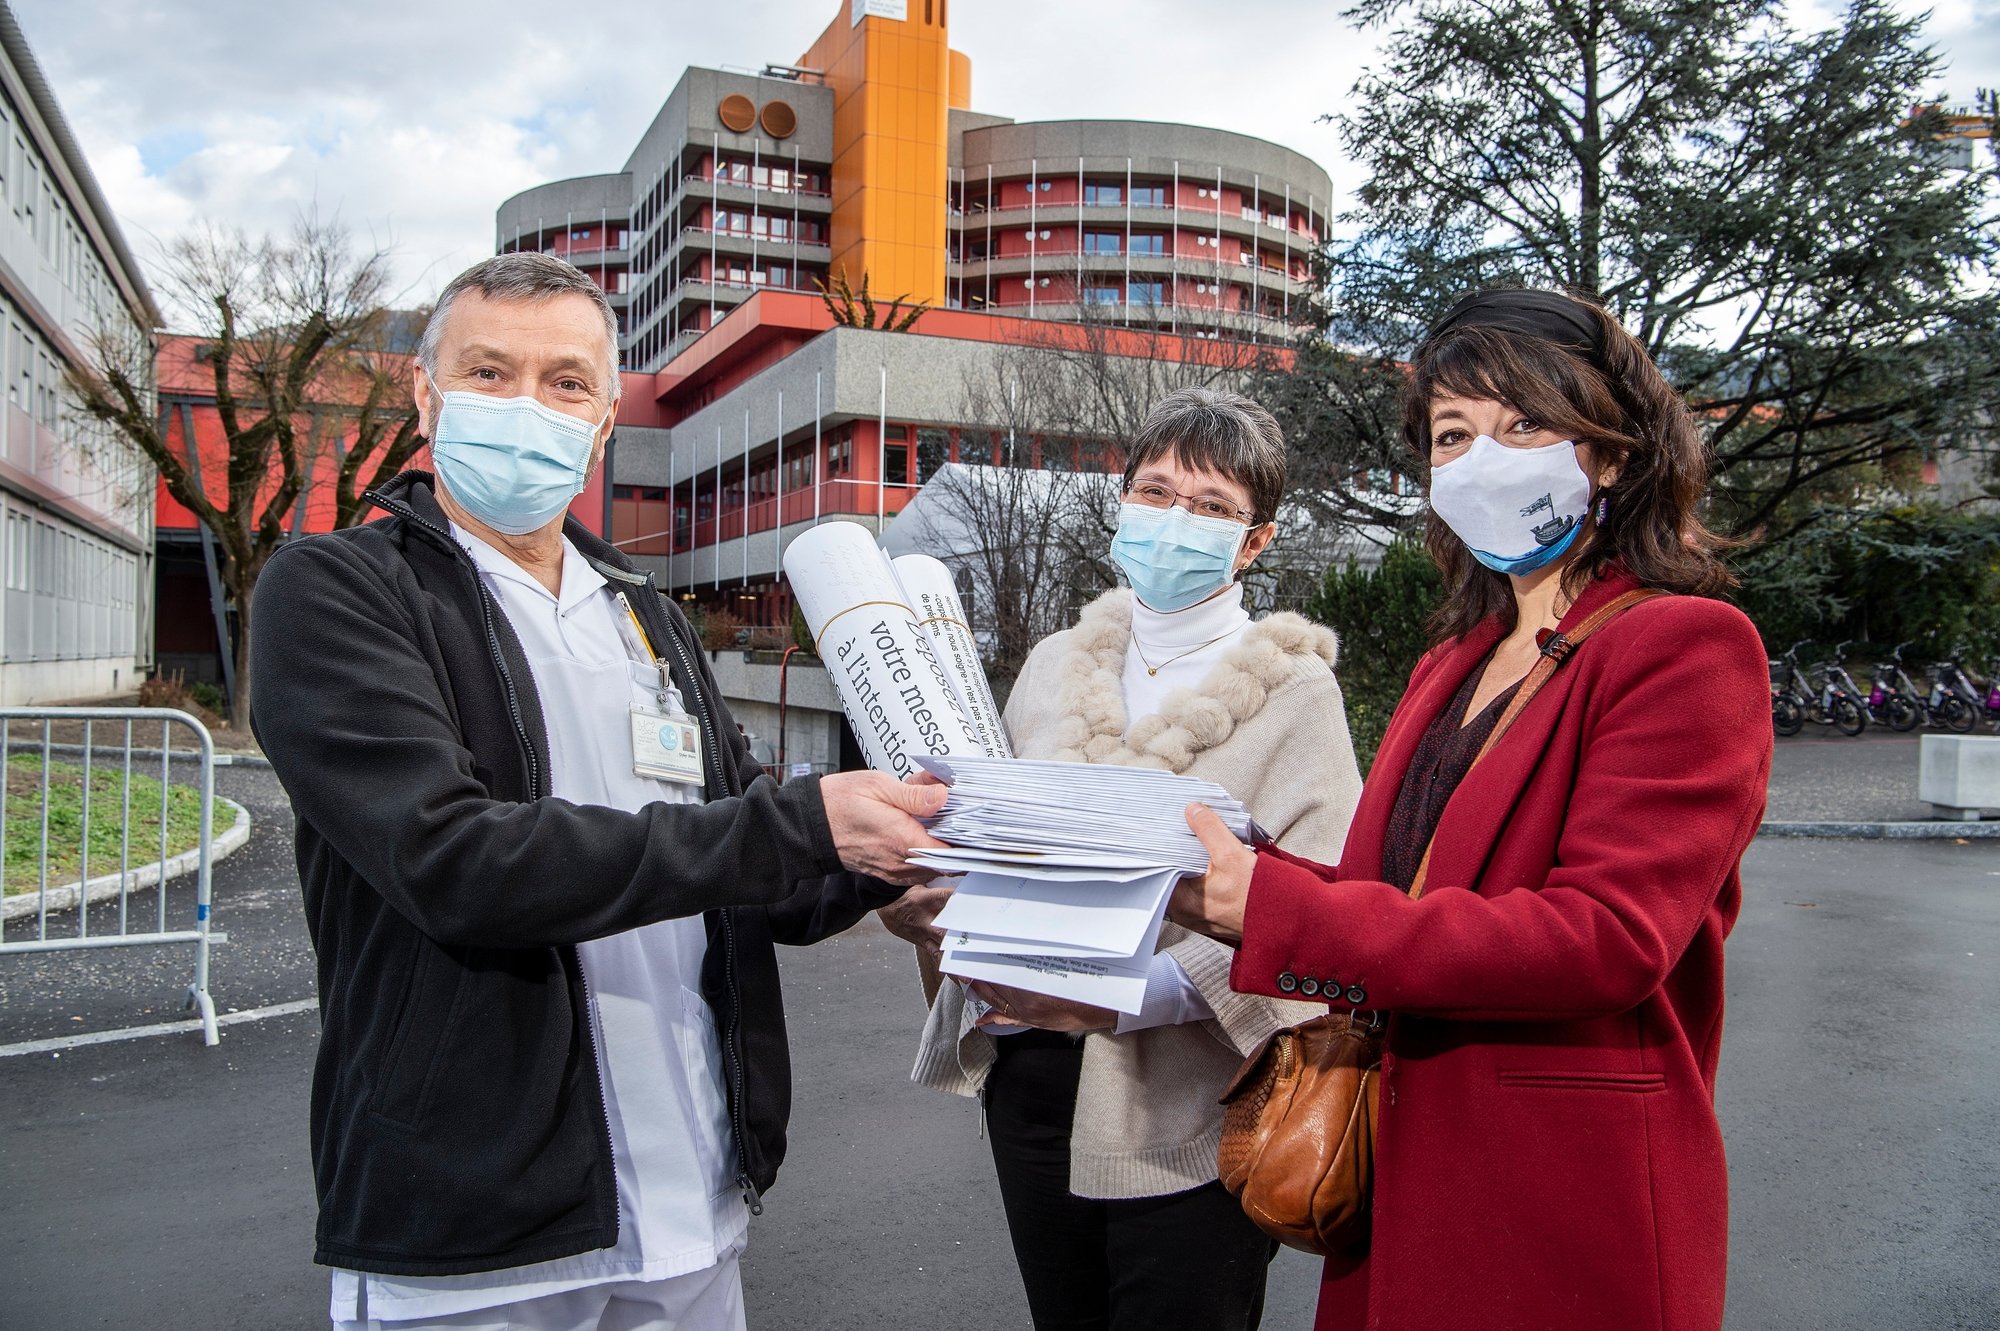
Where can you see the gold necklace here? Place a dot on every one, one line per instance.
(1152, 669)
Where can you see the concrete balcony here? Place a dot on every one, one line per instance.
(1056, 264)
(698, 240)
(1195, 220)
(696, 191)
(723, 555)
(588, 259)
(1162, 316)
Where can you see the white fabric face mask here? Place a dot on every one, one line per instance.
(1517, 509)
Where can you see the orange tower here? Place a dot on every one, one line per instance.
(894, 78)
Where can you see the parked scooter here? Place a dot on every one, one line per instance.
(1839, 698)
(1894, 700)
(1953, 702)
(1826, 695)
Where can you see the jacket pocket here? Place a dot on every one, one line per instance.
(1549, 1079)
(418, 1038)
(701, 1060)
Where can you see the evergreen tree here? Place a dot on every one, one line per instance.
(1382, 616)
(1761, 207)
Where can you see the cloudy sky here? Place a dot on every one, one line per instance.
(415, 118)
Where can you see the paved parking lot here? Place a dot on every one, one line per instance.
(1823, 775)
(154, 1183)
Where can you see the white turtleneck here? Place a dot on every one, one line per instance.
(1168, 652)
(1184, 646)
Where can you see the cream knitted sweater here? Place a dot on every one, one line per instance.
(1267, 725)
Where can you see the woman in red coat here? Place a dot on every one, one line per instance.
(1548, 1153)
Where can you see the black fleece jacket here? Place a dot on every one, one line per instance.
(457, 1120)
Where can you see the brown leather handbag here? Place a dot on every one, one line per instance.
(1298, 1132)
(1298, 1120)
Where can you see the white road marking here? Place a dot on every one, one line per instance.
(57, 1045)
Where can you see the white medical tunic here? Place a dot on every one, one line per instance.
(659, 1058)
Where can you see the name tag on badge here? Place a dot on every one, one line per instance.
(666, 746)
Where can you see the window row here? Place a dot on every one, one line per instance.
(69, 596)
(766, 226)
(32, 192)
(43, 433)
(1268, 207)
(1061, 241)
(760, 174)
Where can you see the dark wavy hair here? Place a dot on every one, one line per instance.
(1611, 397)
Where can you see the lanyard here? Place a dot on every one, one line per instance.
(646, 642)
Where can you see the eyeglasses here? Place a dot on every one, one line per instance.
(1152, 494)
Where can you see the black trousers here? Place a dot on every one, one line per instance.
(1188, 1261)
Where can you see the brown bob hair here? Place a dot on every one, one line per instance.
(1212, 429)
(1612, 398)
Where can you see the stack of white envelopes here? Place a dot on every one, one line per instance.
(1067, 870)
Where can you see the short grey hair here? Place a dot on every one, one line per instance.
(1211, 429)
(524, 276)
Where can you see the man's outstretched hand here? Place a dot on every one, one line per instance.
(874, 822)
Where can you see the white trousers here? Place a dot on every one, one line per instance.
(706, 1300)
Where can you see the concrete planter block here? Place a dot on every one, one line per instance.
(1960, 774)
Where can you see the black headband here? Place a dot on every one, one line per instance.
(1545, 314)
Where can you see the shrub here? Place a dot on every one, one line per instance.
(165, 691)
(202, 701)
(1380, 615)
(1921, 574)
(720, 630)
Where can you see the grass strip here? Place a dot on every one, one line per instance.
(21, 871)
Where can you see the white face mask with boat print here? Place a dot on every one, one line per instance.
(1517, 509)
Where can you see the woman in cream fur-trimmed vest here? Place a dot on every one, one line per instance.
(1104, 1126)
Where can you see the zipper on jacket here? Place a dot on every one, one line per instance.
(408, 514)
(751, 1196)
(603, 1105)
(737, 1119)
(535, 790)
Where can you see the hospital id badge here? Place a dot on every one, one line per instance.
(666, 745)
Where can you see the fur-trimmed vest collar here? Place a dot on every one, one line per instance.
(1091, 690)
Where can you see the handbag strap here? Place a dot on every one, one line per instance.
(1554, 652)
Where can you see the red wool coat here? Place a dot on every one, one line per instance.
(1548, 1153)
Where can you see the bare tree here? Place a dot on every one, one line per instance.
(1101, 378)
(292, 328)
(1034, 530)
(1027, 534)
(1077, 394)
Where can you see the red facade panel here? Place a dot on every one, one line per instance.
(187, 392)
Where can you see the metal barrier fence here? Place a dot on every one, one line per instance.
(57, 832)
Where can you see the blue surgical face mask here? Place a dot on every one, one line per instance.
(1174, 559)
(510, 461)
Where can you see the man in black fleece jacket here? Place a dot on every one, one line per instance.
(513, 1115)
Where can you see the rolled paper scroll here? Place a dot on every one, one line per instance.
(897, 694)
(932, 593)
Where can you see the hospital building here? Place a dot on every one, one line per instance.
(753, 410)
